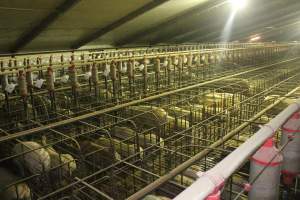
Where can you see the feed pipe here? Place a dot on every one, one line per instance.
(78, 64)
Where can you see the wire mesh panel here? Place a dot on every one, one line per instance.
(109, 133)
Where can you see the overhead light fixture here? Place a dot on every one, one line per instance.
(238, 4)
(255, 38)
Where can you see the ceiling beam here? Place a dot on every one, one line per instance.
(218, 25)
(284, 30)
(31, 34)
(284, 37)
(140, 34)
(262, 20)
(100, 32)
(260, 28)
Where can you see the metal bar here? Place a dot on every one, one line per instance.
(28, 36)
(102, 50)
(94, 189)
(106, 169)
(180, 168)
(105, 60)
(234, 160)
(117, 107)
(100, 32)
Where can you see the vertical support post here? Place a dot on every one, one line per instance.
(157, 73)
(113, 72)
(23, 91)
(50, 87)
(74, 81)
(130, 74)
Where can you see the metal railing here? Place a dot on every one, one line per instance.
(221, 172)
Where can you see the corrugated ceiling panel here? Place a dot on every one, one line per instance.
(200, 19)
(155, 16)
(17, 16)
(82, 19)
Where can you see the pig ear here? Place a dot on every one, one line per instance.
(44, 140)
(28, 193)
(21, 190)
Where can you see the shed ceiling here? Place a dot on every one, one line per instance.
(35, 25)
